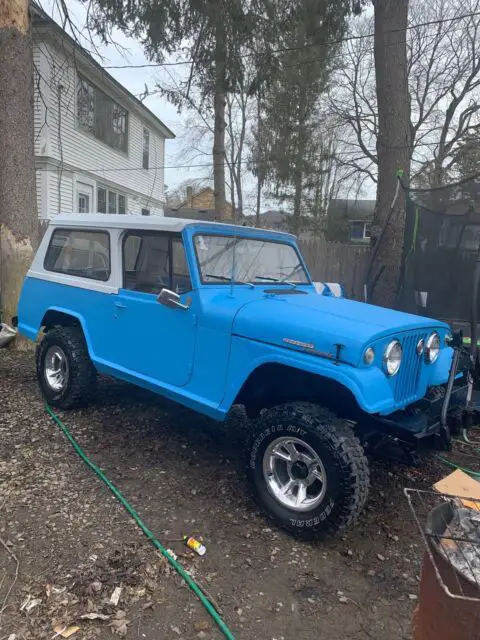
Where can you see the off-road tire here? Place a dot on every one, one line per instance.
(82, 374)
(343, 457)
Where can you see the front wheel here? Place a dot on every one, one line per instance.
(309, 471)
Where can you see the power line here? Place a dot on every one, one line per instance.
(47, 52)
(69, 108)
(307, 46)
(208, 164)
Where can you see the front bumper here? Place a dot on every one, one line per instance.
(423, 418)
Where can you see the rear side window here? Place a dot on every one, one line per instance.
(75, 252)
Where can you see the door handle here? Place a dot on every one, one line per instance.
(120, 305)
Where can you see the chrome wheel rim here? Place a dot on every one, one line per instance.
(294, 474)
(56, 368)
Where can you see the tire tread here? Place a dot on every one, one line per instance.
(82, 372)
(338, 435)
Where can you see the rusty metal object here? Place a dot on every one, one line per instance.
(449, 602)
(438, 616)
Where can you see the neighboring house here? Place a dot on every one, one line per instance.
(272, 219)
(199, 205)
(350, 220)
(97, 147)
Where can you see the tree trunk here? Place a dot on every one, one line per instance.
(238, 181)
(259, 201)
(297, 202)
(232, 191)
(260, 168)
(219, 107)
(18, 206)
(393, 144)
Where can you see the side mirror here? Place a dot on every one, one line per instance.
(171, 299)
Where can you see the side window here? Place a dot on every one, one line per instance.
(146, 262)
(152, 262)
(180, 277)
(85, 254)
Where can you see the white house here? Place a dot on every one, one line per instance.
(97, 147)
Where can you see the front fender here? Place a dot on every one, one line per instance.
(370, 387)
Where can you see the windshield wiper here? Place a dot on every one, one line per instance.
(272, 279)
(229, 279)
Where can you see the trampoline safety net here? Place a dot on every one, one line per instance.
(442, 243)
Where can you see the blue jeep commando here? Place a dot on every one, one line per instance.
(211, 315)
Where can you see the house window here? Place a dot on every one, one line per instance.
(85, 254)
(360, 230)
(109, 201)
(112, 202)
(83, 203)
(145, 212)
(101, 116)
(146, 148)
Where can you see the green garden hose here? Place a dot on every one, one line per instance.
(449, 463)
(156, 543)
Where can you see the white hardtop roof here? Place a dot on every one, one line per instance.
(153, 223)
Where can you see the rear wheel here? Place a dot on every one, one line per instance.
(65, 372)
(308, 469)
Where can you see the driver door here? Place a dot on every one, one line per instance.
(154, 341)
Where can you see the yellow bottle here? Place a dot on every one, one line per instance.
(195, 545)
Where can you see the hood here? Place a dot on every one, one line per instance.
(319, 322)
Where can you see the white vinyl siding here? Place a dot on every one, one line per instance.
(40, 103)
(62, 143)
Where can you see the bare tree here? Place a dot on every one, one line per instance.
(198, 133)
(353, 99)
(443, 79)
(238, 106)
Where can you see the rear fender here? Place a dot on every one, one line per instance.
(80, 320)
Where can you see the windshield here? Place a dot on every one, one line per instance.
(227, 258)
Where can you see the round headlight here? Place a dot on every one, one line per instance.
(392, 358)
(432, 348)
(369, 356)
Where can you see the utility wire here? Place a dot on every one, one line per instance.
(211, 165)
(68, 107)
(327, 43)
(333, 56)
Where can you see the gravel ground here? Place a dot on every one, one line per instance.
(75, 544)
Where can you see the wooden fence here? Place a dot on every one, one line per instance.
(336, 262)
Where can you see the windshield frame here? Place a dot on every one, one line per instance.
(255, 238)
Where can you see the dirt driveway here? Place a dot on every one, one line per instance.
(185, 475)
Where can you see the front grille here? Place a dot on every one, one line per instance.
(406, 380)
